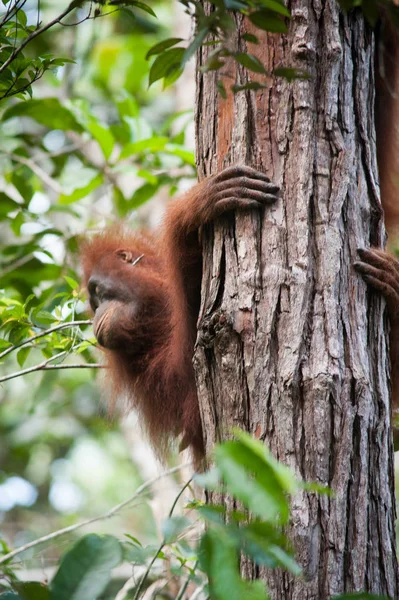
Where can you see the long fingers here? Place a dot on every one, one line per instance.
(381, 271)
(240, 171)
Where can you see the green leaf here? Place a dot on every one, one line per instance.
(153, 144)
(4, 344)
(7, 205)
(142, 194)
(10, 596)
(220, 560)
(282, 472)
(43, 317)
(268, 21)
(164, 63)
(250, 62)
(195, 44)
(71, 282)
(85, 570)
(81, 192)
(17, 223)
(265, 545)
(103, 136)
(32, 590)
(187, 156)
(22, 355)
(249, 37)
(172, 76)
(21, 17)
(173, 527)
(235, 5)
(215, 513)
(60, 62)
(251, 85)
(162, 46)
(127, 105)
(46, 111)
(143, 6)
(277, 7)
(133, 539)
(290, 74)
(255, 478)
(137, 554)
(136, 3)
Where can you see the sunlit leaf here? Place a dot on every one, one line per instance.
(22, 355)
(47, 111)
(81, 192)
(103, 136)
(7, 205)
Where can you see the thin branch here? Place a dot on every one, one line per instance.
(129, 585)
(74, 366)
(162, 544)
(185, 585)
(86, 18)
(38, 14)
(156, 589)
(74, 4)
(16, 264)
(41, 173)
(10, 14)
(44, 366)
(198, 591)
(44, 333)
(38, 367)
(51, 536)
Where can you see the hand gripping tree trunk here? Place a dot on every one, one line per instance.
(292, 346)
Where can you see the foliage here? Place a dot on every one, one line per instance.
(19, 71)
(258, 484)
(130, 147)
(84, 152)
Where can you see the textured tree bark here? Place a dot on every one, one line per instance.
(292, 346)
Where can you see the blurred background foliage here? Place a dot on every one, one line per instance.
(92, 146)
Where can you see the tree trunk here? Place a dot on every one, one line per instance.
(292, 346)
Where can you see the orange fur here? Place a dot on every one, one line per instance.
(145, 291)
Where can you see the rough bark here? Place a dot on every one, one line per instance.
(292, 346)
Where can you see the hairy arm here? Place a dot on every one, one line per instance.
(235, 188)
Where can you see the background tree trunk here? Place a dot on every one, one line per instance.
(292, 345)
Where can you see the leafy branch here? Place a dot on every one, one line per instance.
(18, 73)
(42, 334)
(45, 366)
(217, 29)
